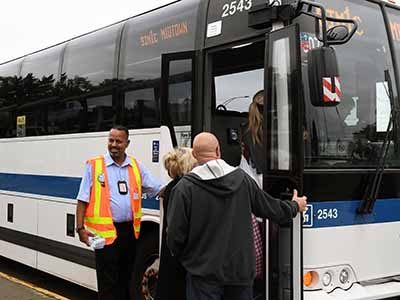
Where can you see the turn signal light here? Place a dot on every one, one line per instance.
(310, 278)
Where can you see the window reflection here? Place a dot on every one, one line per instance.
(140, 108)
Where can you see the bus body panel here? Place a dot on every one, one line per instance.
(67, 270)
(357, 246)
(18, 253)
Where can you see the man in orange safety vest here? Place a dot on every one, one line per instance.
(109, 210)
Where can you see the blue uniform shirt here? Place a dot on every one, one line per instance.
(120, 204)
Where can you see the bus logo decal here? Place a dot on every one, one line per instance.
(308, 216)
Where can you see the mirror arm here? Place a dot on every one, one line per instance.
(351, 33)
(323, 19)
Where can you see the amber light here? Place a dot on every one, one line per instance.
(310, 278)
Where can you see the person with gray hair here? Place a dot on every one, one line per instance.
(210, 225)
(171, 276)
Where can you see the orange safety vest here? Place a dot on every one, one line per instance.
(98, 218)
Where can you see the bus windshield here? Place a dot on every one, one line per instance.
(350, 135)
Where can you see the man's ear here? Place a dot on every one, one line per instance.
(194, 154)
(127, 142)
(218, 152)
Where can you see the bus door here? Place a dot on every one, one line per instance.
(234, 74)
(283, 140)
(177, 90)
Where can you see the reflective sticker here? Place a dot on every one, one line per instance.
(214, 29)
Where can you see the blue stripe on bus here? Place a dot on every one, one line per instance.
(55, 186)
(344, 213)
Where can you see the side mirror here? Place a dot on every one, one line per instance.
(337, 33)
(323, 77)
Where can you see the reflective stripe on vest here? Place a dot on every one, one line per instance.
(98, 217)
(135, 182)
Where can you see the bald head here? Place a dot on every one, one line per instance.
(206, 147)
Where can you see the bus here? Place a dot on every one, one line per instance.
(331, 80)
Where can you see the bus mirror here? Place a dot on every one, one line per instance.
(323, 76)
(337, 33)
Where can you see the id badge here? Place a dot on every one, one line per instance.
(122, 187)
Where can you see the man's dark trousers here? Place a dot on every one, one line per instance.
(114, 264)
(200, 289)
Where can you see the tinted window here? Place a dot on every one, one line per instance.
(144, 39)
(180, 92)
(140, 108)
(351, 134)
(10, 90)
(394, 23)
(92, 57)
(43, 63)
(11, 68)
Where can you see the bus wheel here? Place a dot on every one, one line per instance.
(145, 274)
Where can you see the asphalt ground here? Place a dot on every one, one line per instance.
(19, 282)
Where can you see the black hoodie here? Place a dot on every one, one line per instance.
(209, 223)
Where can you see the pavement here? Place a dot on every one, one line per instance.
(13, 289)
(20, 282)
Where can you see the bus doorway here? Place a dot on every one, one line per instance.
(234, 75)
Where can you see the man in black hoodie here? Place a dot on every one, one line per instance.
(210, 227)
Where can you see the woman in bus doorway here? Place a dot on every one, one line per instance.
(171, 277)
(252, 136)
(252, 163)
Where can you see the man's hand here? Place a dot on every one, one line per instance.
(301, 201)
(84, 236)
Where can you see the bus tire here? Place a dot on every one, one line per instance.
(145, 271)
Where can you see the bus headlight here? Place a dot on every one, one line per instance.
(344, 276)
(326, 279)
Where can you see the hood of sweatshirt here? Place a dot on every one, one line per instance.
(217, 177)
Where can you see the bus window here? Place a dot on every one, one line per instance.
(180, 92)
(45, 63)
(394, 22)
(100, 114)
(87, 73)
(177, 98)
(351, 133)
(143, 40)
(141, 94)
(140, 109)
(92, 57)
(11, 69)
(9, 84)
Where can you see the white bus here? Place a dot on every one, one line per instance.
(194, 65)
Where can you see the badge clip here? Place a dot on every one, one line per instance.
(101, 179)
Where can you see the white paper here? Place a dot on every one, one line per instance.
(382, 106)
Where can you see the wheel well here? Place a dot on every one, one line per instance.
(148, 227)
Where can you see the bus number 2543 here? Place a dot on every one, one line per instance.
(325, 213)
(229, 9)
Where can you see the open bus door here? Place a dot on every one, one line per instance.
(283, 136)
(176, 100)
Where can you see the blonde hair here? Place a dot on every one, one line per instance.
(179, 161)
(256, 117)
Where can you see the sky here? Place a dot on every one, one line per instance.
(27, 26)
